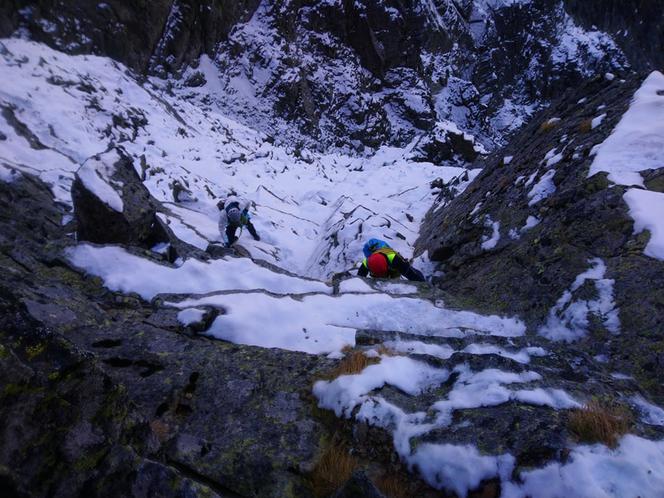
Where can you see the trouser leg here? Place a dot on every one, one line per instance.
(252, 230)
(230, 234)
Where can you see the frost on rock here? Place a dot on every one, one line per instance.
(490, 241)
(568, 320)
(632, 469)
(650, 414)
(543, 188)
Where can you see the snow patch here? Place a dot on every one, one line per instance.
(632, 469)
(650, 414)
(637, 142)
(355, 285)
(344, 393)
(124, 272)
(647, 210)
(190, 315)
(543, 188)
(568, 319)
(95, 174)
(597, 121)
(490, 241)
(8, 174)
(459, 468)
(319, 323)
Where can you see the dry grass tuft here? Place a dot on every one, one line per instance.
(383, 350)
(333, 469)
(548, 125)
(393, 486)
(586, 126)
(353, 363)
(600, 422)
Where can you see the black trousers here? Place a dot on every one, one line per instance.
(231, 229)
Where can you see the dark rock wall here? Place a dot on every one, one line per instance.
(526, 273)
(398, 54)
(146, 35)
(637, 26)
(389, 34)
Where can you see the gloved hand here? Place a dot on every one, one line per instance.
(257, 237)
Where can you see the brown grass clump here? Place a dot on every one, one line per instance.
(333, 469)
(586, 126)
(353, 363)
(600, 422)
(393, 486)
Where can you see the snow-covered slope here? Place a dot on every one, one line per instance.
(314, 211)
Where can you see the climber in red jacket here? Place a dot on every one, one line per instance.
(382, 261)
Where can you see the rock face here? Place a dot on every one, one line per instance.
(357, 74)
(371, 72)
(112, 205)
(101, 394)
(148, 35)
(637, 26)
(533, 223)
(104, 394)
